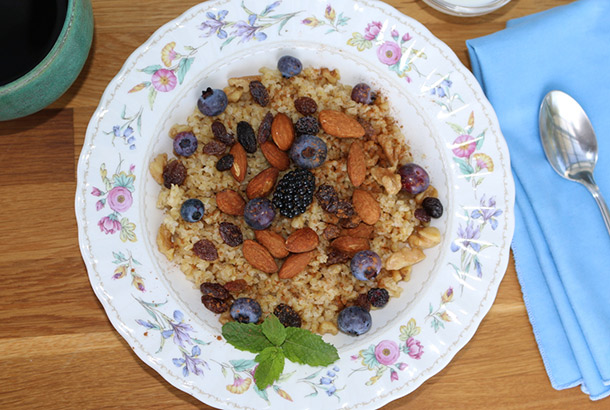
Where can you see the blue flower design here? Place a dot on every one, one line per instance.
(214, 24)
(126, 135)
(325, 380)
(487, 212)
(190, 363)
(179, 330)
(467, 238)
(248, 31)
(331, 390)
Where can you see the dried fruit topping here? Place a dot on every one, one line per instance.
(308, 151)
(259, 213)
(327, 198)
(344, 209)
(287, 315)
(331, 232)
(289, 66)
(230, 202)
(306, 105)
(231, 234)
(294, 192)
(351, 222)
(264, 129)
(307, 125)
(246, 136)
(337, 256)
(259, 93)
(433, 207)
(206, 250)
(212, 102)
(174, 173)
(378, 297)
(414, 178)
(422, 215)
(365, 265)
(362, 93)
(216, 305)
(185, 144)
(225, 163)
(369, 131)
(214, 147)
(363, 301)
(236, 286)
(214, 290)
(192, 210)
(246, 310)
(221, 134)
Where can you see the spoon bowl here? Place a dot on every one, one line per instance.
(570, 143)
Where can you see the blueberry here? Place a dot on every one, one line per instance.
(246, 310)
(185, 144)
(365, 265)
(192, 210)
(354, 321)
(259, 213)
(414, 179)
(308, 151)
(212, 102)
(362, 93)
(289, 66)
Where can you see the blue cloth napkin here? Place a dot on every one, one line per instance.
(561, 246)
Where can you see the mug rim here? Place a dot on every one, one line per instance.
(49, 57)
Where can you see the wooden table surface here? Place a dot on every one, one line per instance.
(58, 349)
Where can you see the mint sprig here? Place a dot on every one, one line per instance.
(273, 343)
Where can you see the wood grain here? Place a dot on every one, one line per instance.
(58, 349)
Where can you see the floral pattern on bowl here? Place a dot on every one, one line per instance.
(363, 38)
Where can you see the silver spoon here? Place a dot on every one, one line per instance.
(570, 144)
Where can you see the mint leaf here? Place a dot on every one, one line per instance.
(302, 346)
(245, 336)
(270, 366)
(274, 330)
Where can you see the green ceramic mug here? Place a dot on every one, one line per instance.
(56, 70)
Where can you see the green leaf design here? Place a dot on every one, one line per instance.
(274, 330)
(242, 364)
(480, 139)
(270, 366)
(359, 42)
(152, 94)
(368, 357)
(465, 167)
(248, 337)
(457, 128)
(127, 231)
(183, 67)
(151, 69)
(302, 346)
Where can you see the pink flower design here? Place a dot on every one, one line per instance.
(372, 30)
(96, 192)
(119, 199)
(393, 375)
(406, 37)
(387, 352)
(99, 204)
(164, 80)
(464, 146)
(402, 366)
(416, 350)
(395, 34)
(109, 225)
(389, 53)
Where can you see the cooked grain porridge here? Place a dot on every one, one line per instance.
(318, 282)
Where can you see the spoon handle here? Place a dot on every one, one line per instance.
(603, 207)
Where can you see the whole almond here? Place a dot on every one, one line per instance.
(295, 264)
(366, 206)
(277, 158)
(262, 184)
(350, 244)
(356, 163)
(258, 256)
(340, 125)
(282, 131)
(230, 202)
(240, 162)
(361, 231)
(302, 240)
(274, 242)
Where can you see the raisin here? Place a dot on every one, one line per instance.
(215, 290)
(351, 222)
(225, 162)
(307, 125)
(363, 301)
(214, 147)
(336, 256)
(369, 131)
(206, 250)
(422, 215)
(264, 129)
(331, 232)
(433, 207)
(378, 297)
(246, 136)
(216, 305)
(236, 286)
(287, 315)
(231, 234)
(174, 173)
(259, 93)
(221, 134)
(362, 93)
(344, 209)
(327, 198)
(305, 105)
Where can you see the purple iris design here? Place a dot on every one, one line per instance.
(467, 238)
(487, 212)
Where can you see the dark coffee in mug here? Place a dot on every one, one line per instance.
(28, 31)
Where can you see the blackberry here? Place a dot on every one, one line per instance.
(307, 125)
(378, 297)
(433, 207)
(294, 192)
(287, 316)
